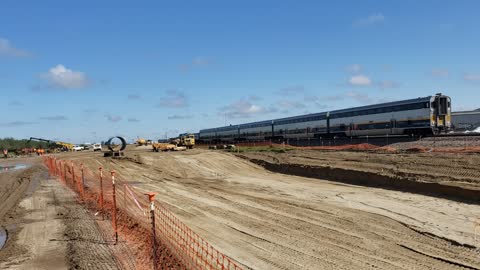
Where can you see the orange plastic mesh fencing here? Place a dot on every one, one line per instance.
(176, 245)
(457, 144)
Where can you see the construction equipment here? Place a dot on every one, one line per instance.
(142, 142)
(187, 140)
(55, 144)
(66, 146)
(163, 147)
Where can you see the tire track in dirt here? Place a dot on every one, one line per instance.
(271, 221)
(285, 228)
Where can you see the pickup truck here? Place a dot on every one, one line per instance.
(77, 148)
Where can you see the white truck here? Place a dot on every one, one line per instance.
(77, 148)
(97, 147)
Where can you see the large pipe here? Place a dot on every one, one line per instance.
(124, 143)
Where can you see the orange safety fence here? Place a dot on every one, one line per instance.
(167, 241)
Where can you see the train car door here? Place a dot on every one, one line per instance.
(352, 132)
(393, 126)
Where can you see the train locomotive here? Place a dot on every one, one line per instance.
(421, 116)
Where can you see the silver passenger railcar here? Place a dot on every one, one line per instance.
(420, 116)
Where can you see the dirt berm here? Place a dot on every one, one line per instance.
(266, 220)
(366, 170)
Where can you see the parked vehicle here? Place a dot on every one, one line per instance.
(97, 147)
(78, 148)
(163, 147)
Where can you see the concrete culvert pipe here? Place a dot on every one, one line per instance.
(113, 147)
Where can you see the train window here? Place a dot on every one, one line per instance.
(443, 105)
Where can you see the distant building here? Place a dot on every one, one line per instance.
(466, 120)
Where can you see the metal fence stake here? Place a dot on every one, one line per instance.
(73, 176)
(151, 198)
(101, 193)
(83, 183)
(114, 209)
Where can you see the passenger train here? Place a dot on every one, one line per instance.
(421, 116)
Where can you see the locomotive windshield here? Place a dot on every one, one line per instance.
(441, 105)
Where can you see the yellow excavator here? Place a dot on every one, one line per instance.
(55, 144)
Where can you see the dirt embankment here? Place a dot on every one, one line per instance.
(268, 220)
(452, 176)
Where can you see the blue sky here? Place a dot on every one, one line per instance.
(87, 70)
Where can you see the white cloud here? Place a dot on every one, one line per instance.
(63, 78)
(370, 20)
(179, 117)
(113, 118)
(54, 118)
(15, 103)
(242, 109)
(290, 104)
(198, 61)
(354, 68)
(201, 61)
(134, 96)
(359, 97)
(174, 99)
(17, 124)
(388, 84)
(254, 98)
(472, 77)
(291, 90)
(360, 80)
(440, 72)
(6, 49)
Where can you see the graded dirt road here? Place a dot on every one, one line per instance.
(46, 227)
(268, 220)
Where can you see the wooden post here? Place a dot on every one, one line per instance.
(151, 198)
(101, 193)
(83, 183)
(65, 172)
(73, 176)
(114, 208)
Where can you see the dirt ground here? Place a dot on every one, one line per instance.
(459, 170)
(268, 220)
(47, 228)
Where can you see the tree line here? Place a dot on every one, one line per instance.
(12, 144)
